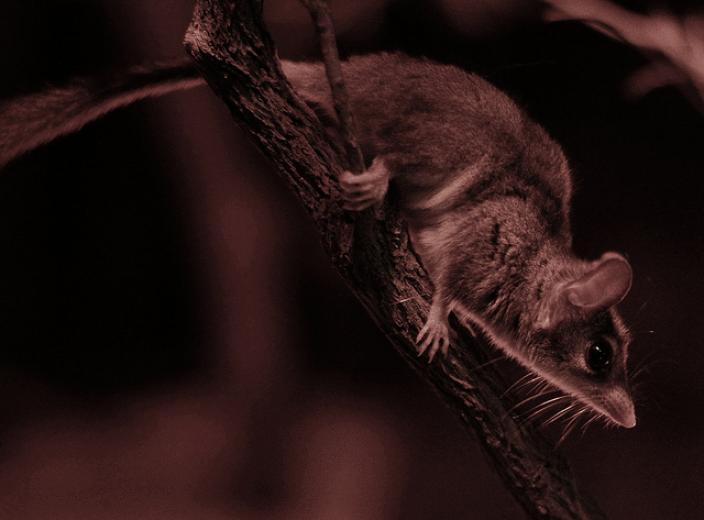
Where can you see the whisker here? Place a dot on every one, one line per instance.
(486, 363)
(540, 388)
(528, 399)
(561, 413)
(571, 424)
(644, 370)
(534, 385)
(590, 421)
(645, 366)
(608, 423)
(635, 319)
(645, 360)
(540, 385)
(543, 407)
(641, 309)
(523, 380)
(649, 364)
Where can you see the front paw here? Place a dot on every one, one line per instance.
(365, 189)
(433, 338)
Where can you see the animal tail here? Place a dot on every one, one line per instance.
(31, 120)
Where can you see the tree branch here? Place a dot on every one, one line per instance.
(675, 45)
(237, 57)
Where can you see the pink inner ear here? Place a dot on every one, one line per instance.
(606, 285)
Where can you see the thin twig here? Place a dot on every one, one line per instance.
(320, 13)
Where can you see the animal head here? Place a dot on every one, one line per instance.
(581, 345)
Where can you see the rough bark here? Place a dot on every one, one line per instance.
(237, 57)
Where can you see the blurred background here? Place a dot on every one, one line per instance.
(174, 343)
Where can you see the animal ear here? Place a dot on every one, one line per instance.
(605, 285)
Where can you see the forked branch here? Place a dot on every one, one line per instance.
(237, 57)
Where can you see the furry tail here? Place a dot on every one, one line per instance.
(30, 121)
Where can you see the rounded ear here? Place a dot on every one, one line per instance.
(604, 286)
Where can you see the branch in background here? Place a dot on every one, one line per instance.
(675, 45)
(320, 13)
(237, 57)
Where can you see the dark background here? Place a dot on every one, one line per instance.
(175, 345)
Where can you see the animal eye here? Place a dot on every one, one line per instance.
(599, 356)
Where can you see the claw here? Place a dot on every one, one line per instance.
(445, 346)
(422, 332)
(424, 346)
(434, 349)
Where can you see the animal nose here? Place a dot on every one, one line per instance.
(620, 407)
(628, 420)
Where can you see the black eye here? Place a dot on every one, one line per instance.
(598, 356)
